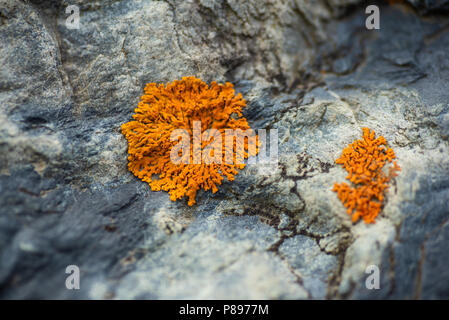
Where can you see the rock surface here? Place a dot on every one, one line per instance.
(311, 71)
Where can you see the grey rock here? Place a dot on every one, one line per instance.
(315, 267)
(426, 6)
(311, 71)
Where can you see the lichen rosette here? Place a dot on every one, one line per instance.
(364, 161)
(181, 105)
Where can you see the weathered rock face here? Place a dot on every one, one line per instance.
(311, 71)
(426, 6)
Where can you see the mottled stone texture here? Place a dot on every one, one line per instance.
(312, 71)
(426, 6)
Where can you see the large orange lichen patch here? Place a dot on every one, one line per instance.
(181, 105)
(364, 160)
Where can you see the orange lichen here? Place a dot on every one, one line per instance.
(178, 105)
(364, 160)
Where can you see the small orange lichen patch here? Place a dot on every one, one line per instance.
(364, 160)
(178, 105)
